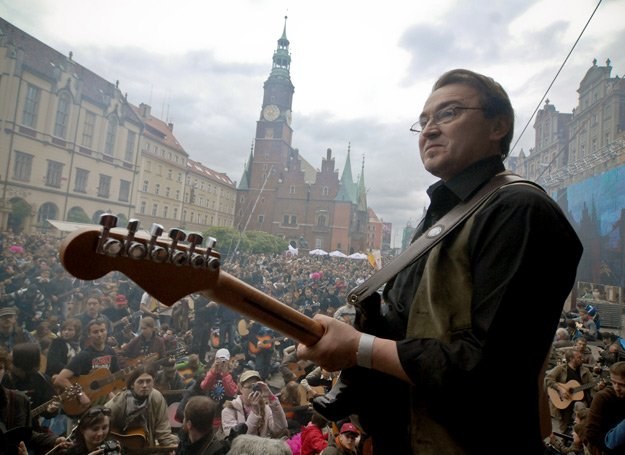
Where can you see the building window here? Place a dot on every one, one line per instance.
(293, 220)
(291, 189)
(31, 106)
(154, 209)
(124, 190)
(165, 210)
(157, 188)
(321, 220)
(129, 156)
(325, 191)
(142, 207)
(80, 180)
(145, 186)
(169, 172)
(54, 174)
(62, 116)
(261, 218)
(111, 134)
(87, 129)
(47, 211)
(22, 167)
(175, 213)
(104, 187)
(167, 191)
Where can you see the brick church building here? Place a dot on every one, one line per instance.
(282, 194)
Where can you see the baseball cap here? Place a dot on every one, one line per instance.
(249, 374)
(121, 299)
(222, 353)
(349, 428)
(8, 311)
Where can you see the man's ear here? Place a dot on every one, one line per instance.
(499, 128)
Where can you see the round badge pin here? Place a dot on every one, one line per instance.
(435, 231)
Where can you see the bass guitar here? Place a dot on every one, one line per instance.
(99, 383)
(575, 389)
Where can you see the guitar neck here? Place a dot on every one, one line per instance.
(82, 256)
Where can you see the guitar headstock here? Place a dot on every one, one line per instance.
(167, 268)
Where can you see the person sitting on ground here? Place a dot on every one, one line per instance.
(314, 435)
(257, 407)
(248, 444)
(142, 407)
(346, 442)
(200, 437)
(607, 410)
(92, 435)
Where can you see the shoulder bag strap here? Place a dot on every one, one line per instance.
(426, 241)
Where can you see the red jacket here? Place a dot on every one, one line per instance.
(313, 440)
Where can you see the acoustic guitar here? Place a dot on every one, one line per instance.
(575, 389)
(134, 441)
(98, 383)
(68, 394)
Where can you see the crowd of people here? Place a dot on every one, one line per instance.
(163, 372)
(417, 360)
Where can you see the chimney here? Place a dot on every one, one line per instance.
(145, 110)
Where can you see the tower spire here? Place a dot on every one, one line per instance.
(281, 56)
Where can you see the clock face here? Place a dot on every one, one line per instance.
(289, 117)
(271, 112)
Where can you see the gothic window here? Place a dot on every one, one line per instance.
(88, 128)
(111, 134)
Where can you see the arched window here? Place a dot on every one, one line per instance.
(47, 211)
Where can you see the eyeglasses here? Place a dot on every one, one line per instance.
(445, 115)
(92, 412)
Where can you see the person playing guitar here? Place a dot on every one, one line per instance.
(95, 356)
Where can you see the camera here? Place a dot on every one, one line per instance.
(111, 447)
(256, 387)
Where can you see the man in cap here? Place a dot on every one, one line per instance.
(218, 384)
(10, 334)
(257, 407)
(346, 442)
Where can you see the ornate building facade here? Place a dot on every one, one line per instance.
(281, 193)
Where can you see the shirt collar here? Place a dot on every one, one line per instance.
(473, 177)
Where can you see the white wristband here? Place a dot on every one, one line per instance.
(365, 351)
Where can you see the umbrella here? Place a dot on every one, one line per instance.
(357, 256)
(337, 254)
(318, 252)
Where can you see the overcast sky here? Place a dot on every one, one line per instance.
(361, 69)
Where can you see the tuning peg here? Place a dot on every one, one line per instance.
(177, 256)
(195, 239)
(135, 250)
(107, 245)
(157, 252)
(212, 263)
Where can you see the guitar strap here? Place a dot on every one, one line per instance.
(426, 241)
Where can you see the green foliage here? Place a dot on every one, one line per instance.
(78, 215)
(250, 242)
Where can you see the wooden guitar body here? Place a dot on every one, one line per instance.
(575, 389)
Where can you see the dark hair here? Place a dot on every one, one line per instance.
(27, 356)
(141, 369)
(76, 324)
(92, 416)
(200, 411)
(493, 98)
(96, 321)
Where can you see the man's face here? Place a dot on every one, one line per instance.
(93, 307)
(618, 382)
(146, 330)
(97, 333)
(143, 385)
(448, 149)
(348, 439)
(7, 322)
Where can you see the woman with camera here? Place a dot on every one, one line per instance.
(91, 436)
(257, 407)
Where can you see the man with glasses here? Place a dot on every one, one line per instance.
(444, 348)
